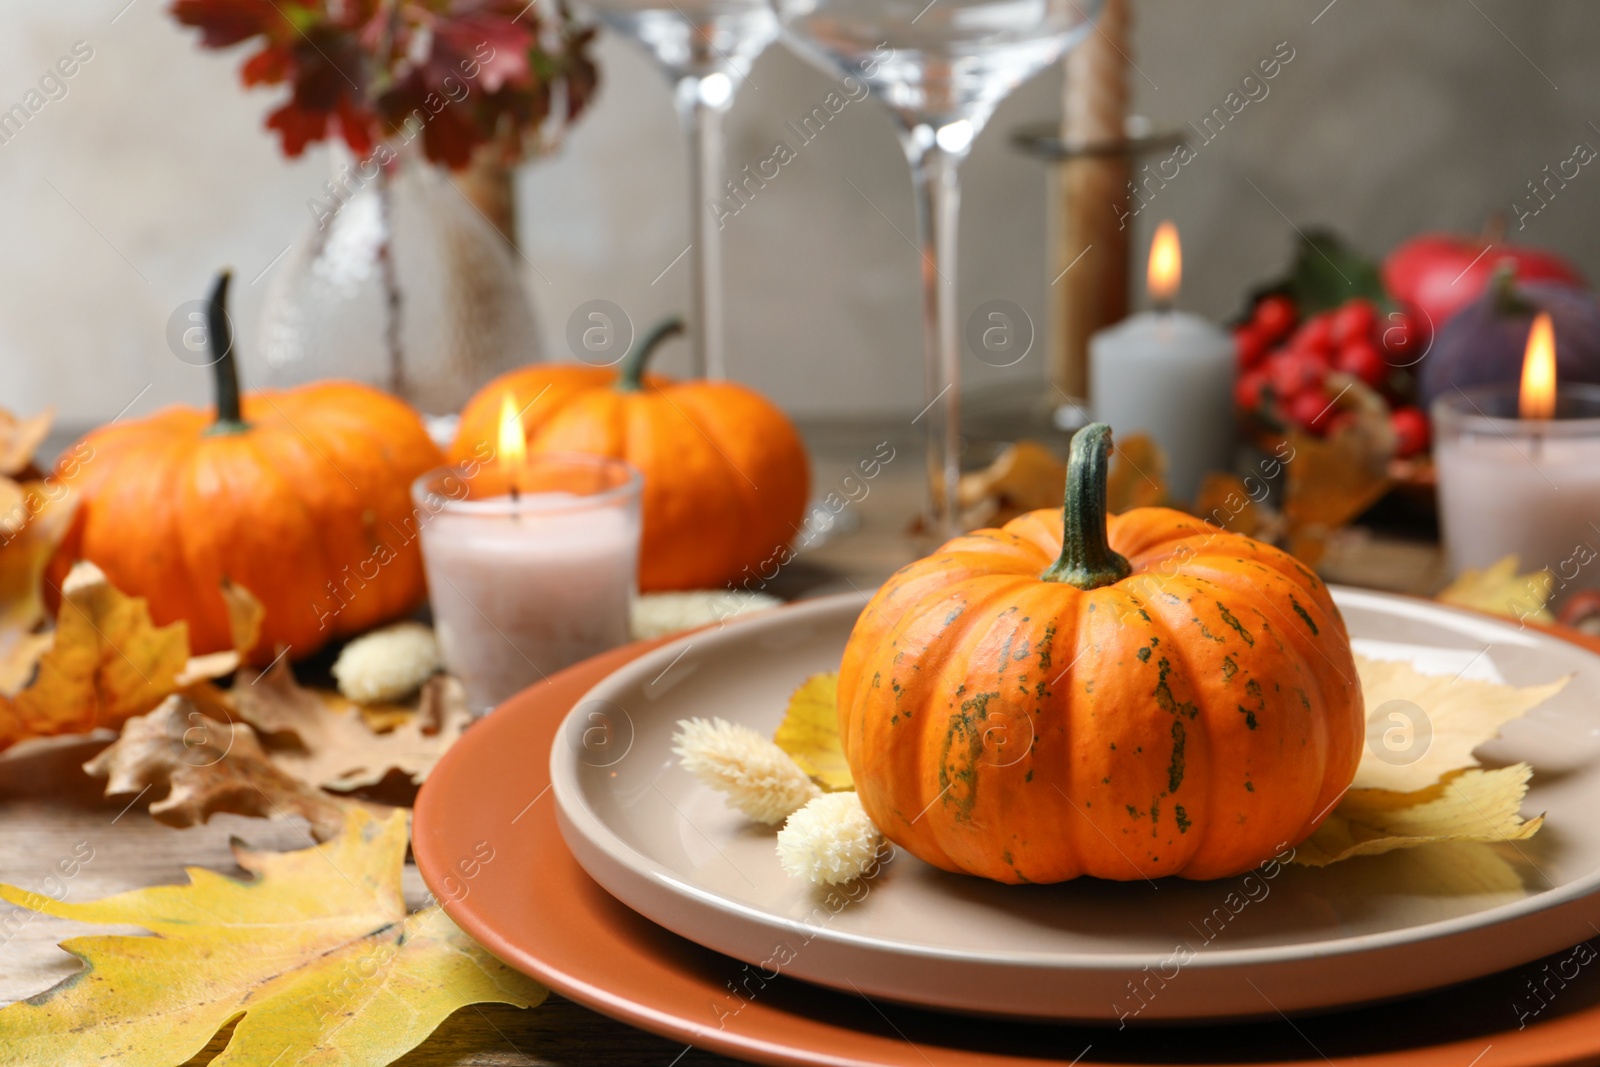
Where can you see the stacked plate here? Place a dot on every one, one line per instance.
(596, 859)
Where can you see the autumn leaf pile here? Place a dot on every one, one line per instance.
(315, 956)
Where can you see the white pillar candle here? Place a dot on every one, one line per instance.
(1523, 486)
(523, 585)
(1170, 375)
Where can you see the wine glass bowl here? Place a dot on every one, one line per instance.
(696, 39)
(941, 67)
(941, 62)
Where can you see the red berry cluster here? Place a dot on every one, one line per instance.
(1284, 364)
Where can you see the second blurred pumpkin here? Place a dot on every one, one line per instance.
(726, 475)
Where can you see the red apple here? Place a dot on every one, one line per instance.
(1435, 275)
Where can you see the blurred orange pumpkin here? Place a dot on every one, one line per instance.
(302, 496)
(726, 476)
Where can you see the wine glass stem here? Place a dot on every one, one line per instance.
(702, 125)
(938, 192)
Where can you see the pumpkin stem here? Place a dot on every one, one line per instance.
(1087, 560)
(219, 338)
(633, 363)
(1508, 302)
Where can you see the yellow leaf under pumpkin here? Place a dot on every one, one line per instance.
(1471, 805)
(809, 733)
(316, 957)
(1421, 727)
(1500, 590)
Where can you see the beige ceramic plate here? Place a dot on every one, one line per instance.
(1303, 940)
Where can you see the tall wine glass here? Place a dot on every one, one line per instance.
(706, 47)
(941, 67)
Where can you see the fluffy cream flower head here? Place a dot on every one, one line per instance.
(756, 775)
(830, 841)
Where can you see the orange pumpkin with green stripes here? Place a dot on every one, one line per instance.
(1128, 697)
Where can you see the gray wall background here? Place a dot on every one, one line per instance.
(118, 200)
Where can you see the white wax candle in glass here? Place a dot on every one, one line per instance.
(532, 563)
(1519, 471)
(1170, 375)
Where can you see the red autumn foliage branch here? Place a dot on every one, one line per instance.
(473, 71)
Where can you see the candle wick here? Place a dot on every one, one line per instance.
(516, 500)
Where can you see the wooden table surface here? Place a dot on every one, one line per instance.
(48, 812)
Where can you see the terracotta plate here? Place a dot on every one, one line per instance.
(487, 843)
(1286, 939)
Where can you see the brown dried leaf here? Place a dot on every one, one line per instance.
(199, 766)
(322, 738)
(21, 438)
(1138, 474)
(1024, 477)
(1225, 501)
(1334, 479)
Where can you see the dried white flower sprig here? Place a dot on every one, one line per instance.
(756, 775)
(830, 841)
(387, 664)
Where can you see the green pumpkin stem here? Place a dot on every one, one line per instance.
(633, 363)
(1508, 302)
(219, 339)
(1087, 560)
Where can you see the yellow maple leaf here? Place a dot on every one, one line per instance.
(1500, 590)
(809, 732)
(1471, 805)
(108, 661)
(315, 956)
(1421, 727)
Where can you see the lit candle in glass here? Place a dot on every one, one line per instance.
(1168, 374)
(1519, 471)
(532, 562)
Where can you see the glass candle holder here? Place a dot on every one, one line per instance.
(1523, 487)
(531, 567)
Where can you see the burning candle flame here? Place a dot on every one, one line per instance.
(1537, 397)
(513, 445)
(1166, 264)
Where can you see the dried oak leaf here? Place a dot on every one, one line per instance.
(107, 663)
(1138, 474)
(198, 767)
(324, 740)
(1500, 590)
(809, 733)
(315, 956)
